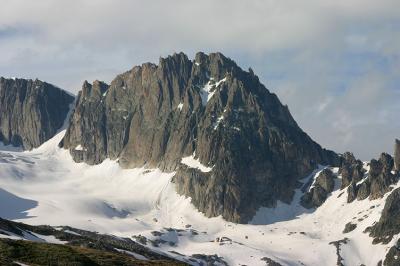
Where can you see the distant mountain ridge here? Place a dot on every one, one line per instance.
(31, 111)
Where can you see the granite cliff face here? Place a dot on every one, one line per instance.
(31, 111)
(233, 145)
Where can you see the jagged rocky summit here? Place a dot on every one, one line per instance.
(233, 145)
(31, 111)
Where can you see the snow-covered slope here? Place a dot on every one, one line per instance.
(45, 186)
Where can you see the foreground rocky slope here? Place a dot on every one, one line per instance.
(45, 186)
(31, 111)
(233, 145)
(69, 246)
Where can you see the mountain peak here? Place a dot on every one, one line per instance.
(209, 111)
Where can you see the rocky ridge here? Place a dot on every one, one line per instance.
(370, 180)
(248, 149)
(31, 111)
(373, 184)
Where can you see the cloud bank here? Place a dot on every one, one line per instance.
(335, 63)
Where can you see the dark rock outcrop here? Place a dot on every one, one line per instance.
(326, 180)
(392, 258)
(349, 227)
(380, 176)
(351, 169)
(352, 192)
(316, 196)
(31, 111)
(154, 115)
(389, 223)
(363, 190)
(337, 244)
(397, 155)
(270, 262)
(377, 184)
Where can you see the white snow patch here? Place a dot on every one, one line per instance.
(209, 89)
(79, 148)
(219, 120)
(31, 236)
(180, 106)
(195, 163)
(48, 239)
(9, 235)
(219, 82)
(20, 264)
(133, 254)
(71, 232)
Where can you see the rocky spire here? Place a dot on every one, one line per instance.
(397, 155)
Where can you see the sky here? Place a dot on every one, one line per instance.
(336, 64)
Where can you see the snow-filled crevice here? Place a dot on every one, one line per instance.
(195, 163)
(208, 91)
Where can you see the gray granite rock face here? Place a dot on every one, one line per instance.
(154, 115)
(31, 111)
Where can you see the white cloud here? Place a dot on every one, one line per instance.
(335, 63)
